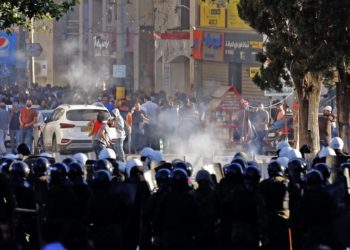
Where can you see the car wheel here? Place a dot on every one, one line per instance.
(54, 144)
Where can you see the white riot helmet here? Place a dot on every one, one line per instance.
(283, 161)
(294, 153)
(122, 166)
(326, 151)
(282, 144)
(131, 164)
(81, 158)
(284, 151)
(10, 156)
(337, 143)
(107, 153)
(156, 156)
(45, 155)
(146, 152)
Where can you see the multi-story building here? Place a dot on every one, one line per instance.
(101, 42)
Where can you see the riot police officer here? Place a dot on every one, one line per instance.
(275, 209)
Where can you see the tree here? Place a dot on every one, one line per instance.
(304, 38)
(20, 12)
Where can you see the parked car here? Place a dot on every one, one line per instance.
(68, 128)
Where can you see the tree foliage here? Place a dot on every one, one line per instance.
(308, 38)
(20, 12)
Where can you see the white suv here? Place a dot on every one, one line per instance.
(68, 127)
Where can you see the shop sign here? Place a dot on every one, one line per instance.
(104, 44)
(242, 48)
(253, 71)
(233, 19)
(212, 16)
(197, 44)
(213, 44)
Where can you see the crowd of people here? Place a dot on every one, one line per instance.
(108, 204)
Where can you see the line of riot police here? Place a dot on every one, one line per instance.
(106, 204)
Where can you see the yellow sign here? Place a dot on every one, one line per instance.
(233, 19)
(253, 71)
(212, 16)
(120, 92)
(256, 44)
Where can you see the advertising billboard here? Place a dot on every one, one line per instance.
(233, 19)
(197, 44)
(213, 44)
(7, 54)
(212, 16)
(242, 48)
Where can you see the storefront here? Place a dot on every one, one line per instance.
(226, 59)
(172, 62)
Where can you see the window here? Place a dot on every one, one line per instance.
(83, 114)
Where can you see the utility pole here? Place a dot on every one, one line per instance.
(121, 39)
(32, 60)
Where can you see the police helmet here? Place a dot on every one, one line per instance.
(314, 178)
(121, 166)
(75, 169)
(163, 176)
(297, 164)
(134, 164)
(19, 169)
(284, 151)
(40, 166)
(10, 156)
(107, 153)
(241, 155)
(5, 166)
(80, 157)
(294, 153)
(101, 179)
(337, 143)
(283, 161)
(166, 165)
(252, 173)
(234, 170)
(324, 169)
(325, 152)
(275, 169)
(203, 175)
(156, 156)
(145, 152)
(183, 165)
(241, 162)
(179, 175)
(345, 165)
(23, 149)
(103, 164)
(253, 164)
(282, 144)
(68, 160)
(59, 169)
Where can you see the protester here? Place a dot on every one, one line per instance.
(4, 126)
(27, 118)
(14, 127)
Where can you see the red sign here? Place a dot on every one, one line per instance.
(171, 36)
(197, 44)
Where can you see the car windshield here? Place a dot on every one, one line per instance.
(83, 114)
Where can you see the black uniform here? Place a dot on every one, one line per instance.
(275, 213)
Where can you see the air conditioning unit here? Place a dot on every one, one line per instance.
(41, 68)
